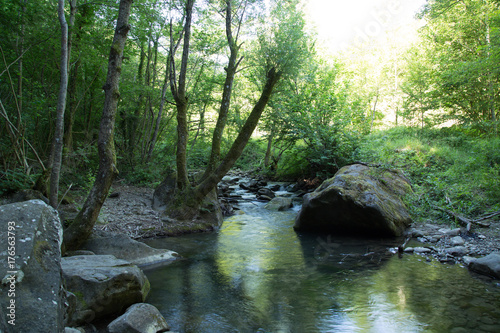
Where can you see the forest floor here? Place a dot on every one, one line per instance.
(128, 210)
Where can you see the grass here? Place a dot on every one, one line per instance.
(447, 167)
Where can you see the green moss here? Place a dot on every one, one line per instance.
(82, 304)
(41, 250)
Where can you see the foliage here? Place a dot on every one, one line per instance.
(448, 167)
(454, 69)
(318, 115)
(14, 180)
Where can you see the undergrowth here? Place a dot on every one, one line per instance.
(448, 167)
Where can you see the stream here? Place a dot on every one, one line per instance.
(256, 274)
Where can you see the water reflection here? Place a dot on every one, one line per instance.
(258, 275)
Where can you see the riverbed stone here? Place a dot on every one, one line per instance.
(457, 241)
(421, 250)
(124, 247)
(31, 289)
(103, 285)
(457, 251)
(266, 192)
(139, 318)
(279, 204)
(358, 200)
(488, 265)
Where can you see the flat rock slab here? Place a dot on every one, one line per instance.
(488, 265)
(103, 285)
(139, 318)
(124, 247)
(31, 294)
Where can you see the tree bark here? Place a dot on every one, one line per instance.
(57, 146)
(181, 101)
(226, 93)
(239, 144)
(267, 157)
(69, 117)
(79, 231)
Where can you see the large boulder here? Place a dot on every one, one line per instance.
(124, 247)
(32, 298)
(139, 318)
(103, 285)
(358, 200)
(488, 265)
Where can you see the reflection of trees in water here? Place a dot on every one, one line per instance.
(259, 274)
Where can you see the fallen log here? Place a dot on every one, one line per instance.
(466, 221)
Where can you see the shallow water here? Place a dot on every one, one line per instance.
(257, 275)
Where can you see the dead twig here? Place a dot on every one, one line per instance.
(466, 221)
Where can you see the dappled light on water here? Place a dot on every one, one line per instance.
(257, 275)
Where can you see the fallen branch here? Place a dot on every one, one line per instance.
(466, 221)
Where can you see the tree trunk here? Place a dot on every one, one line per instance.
(158, 120)
(57, 146)
(21, 51)
(239, 144)
(69, 118)
(226, 94)
(267, 158)
(79, 231)
(181, 101)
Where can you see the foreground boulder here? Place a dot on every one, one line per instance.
(124, 247)
(103, 286)
(32, 298)
(488, 265)
(139, 318)
(358, 200)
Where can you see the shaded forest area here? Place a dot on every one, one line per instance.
(210, 85)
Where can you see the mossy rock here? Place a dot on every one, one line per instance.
(358, 200)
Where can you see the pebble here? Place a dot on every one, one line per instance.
(457, 241)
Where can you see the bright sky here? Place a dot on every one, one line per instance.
(339, 22)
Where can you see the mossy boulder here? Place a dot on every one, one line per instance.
(279, 204)
(358, 200)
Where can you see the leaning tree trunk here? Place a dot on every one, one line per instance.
(79, 231)
(239, 144)
(57, 146)
(226, 93)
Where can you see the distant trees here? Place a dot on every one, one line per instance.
(455, 67)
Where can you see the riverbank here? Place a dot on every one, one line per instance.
(128, 211)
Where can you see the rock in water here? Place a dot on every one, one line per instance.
(139, 318)
(31, 294)
(103, 285)
(358, 200)
(489, 265)
(279, 204)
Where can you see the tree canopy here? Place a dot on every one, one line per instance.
(201, 80)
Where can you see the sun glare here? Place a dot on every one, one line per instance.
(339, 22)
